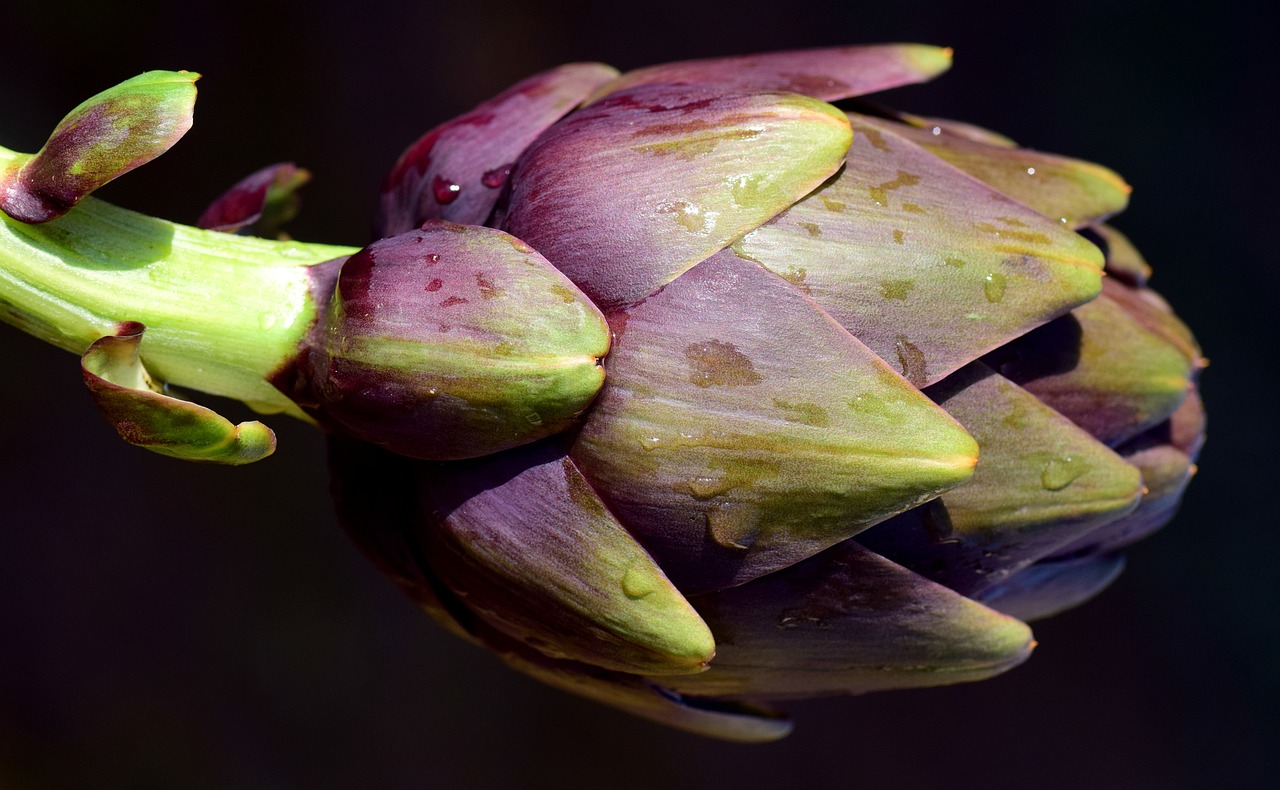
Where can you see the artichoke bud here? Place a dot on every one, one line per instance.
(870, 396)
(453, 342)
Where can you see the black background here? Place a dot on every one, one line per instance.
(167, 625)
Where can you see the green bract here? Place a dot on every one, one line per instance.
(681, 389)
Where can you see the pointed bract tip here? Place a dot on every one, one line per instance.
(105, 137)
(929, 59)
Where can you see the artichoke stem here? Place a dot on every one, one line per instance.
(222, 311)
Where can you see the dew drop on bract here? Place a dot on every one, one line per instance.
(750, 190)
(1060, 472)
(733, 528)
(994, 286)
(445, 191)
(496, 177)
(636, 583)
(704, 488)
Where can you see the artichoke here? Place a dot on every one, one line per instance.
(683, 389)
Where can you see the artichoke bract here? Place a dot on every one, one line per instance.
(681, 389)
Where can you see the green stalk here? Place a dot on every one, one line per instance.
(222, 311)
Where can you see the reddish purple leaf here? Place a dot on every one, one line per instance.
(524, 540)
(828, 74)
(456, 170)
(455, 341)
(928, 266)
(628, 193)
(260, 202)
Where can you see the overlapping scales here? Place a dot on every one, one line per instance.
(1122, 368)
(747, 437)
(630, 192)
(457, 170)
(1052, 586)
(1041, 482)
(529, 546)
(743, 430)
(1107, 370)
(928, 266)
(1072, 191)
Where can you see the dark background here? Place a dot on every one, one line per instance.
(167, 625)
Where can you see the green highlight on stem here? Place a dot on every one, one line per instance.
(223, 311)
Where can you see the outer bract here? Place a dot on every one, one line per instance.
(721, 395)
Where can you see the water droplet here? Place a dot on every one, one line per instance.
(638, 582)
(1060, 472)
(704, 488)
(733, 527)
(650, 442)
(267, 320)
(1031, 171)
(688, 216)
(496, 177)
(752, 190)
(445, 191)
(431, 259)
(994, 286)
(875, 408)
